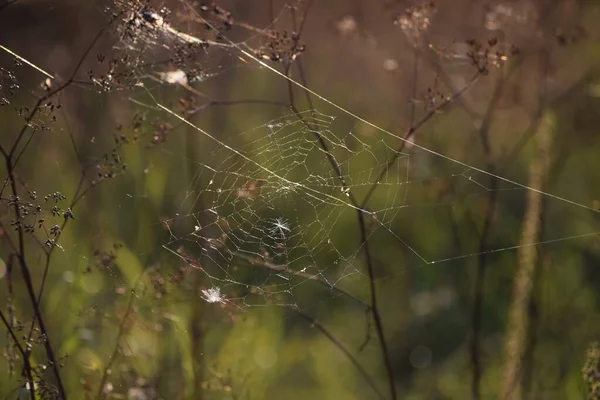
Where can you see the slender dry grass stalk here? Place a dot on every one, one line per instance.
(516, 335)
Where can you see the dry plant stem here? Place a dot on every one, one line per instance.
(79, 194)
(360, 215)
(364, 243)
(11, 162)
(27, 365)
(533, 311)
(341, 347)
(476, 312)
(25, 271)
(518, 318)
(196, 323)
(59, 89)
(410, 133)
(51, 251)
(27, 370)
(413, 93)
(527, 260)
(533, 307)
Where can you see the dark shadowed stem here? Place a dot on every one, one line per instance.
(413, 92)
(298, 62)
(8, 3)
(23, 354)
(11, 159)
(476, 311)
(197, 325)
(342, 348)
(25, 271)
(302, 76)
(295, 27)
(364, 243)
(360, 214)
(374, 305)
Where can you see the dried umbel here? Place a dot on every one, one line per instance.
(216, 18)
(282, 46)
(490, 53)
(481, 55)
(416, 20)
(503, 15)
(140, 22)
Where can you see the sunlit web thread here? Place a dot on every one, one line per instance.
(319, 195)
(296, 247)
(167, 29)
(385, 131)
(310, 191)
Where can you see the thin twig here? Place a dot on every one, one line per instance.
(27, 276)
(8, 3)
(374, 305)
(50, 94)
(28, 370)
(477, 307)
(411, 132)
(11, 161)
(342, 348)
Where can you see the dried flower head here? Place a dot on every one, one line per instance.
(213, 295)
(283, 47)
(416, 20)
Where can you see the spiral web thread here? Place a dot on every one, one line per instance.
(268, 216)
(273, 213)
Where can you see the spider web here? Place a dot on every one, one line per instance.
(274, 211)
(276, 207)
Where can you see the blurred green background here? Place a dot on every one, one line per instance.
(165, 210)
